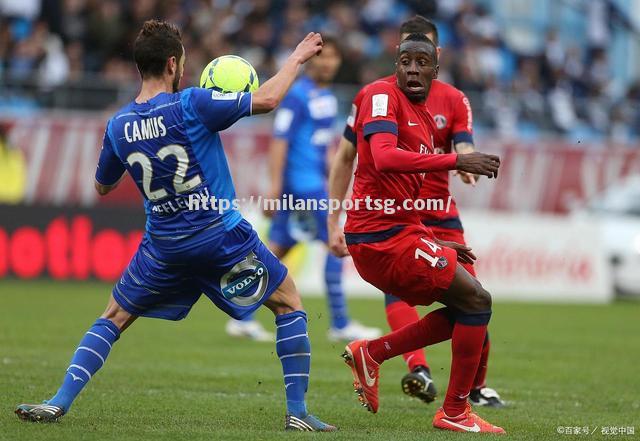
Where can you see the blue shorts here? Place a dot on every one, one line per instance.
(166, 285)
(289, 227)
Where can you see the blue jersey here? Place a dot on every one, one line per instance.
(171, 148)
(305, 119)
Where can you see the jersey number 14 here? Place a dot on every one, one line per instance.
(433, 260)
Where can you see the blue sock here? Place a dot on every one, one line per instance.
(335, 294)
(249, 318)
(294, 351)
(88, 358)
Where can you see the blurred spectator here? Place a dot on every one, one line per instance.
(383, 63)
(528, 87)
(563, 86)
(625, 124)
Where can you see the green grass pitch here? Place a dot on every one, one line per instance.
(565, 365)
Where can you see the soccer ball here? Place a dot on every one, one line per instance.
(229, 73)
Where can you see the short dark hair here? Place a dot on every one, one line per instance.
(155, 44)
(419, 37)
(331, 40)
(420, 25)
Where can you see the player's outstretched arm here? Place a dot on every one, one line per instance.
(479, 164)
(462, 128)
(110, 170)
(465, 254)
(104, 189)
(464, 148)
(339, 179)
(387, 158)
(269, 96)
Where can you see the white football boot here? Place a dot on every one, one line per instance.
(251, 329)
(353, 331)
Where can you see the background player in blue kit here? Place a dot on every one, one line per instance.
(168, 142)
(303, 131)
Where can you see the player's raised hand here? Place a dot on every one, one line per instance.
(337, 243)
(465, 255)
(479, 164)
(467, 178)
(311, 45)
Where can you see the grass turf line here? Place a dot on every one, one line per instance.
(557, 365)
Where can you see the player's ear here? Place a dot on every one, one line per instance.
(172, 65)
(436, 71)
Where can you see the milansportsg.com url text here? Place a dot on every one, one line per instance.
(290, 203)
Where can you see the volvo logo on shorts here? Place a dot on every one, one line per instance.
(246, 282)
(442, 262)
(441, 121)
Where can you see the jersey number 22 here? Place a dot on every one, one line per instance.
(179, 185)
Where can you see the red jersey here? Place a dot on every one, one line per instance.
(350, 129)
(454, 122)
(384, 108)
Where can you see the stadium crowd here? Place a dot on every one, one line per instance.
(564, 87)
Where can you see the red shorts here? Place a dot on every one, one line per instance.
(453, 236)
(409, 265)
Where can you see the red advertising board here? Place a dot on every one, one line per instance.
(68, 243)
(546, 176)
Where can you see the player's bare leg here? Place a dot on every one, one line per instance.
(464, 320)
(294, 351)
(418, 382)
(88, 358)
(471, 305)
(117, 315)
(280, 251)
(434, 328)
(285, 299)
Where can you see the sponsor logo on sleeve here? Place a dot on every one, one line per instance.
(466, 102)
(380, 103)
(230, 96)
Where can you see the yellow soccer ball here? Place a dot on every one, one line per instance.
(229, 73)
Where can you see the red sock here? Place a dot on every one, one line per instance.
(466, 346)
(431, 329)
(399, 315)
(481, 375)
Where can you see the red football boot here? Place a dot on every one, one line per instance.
(365, 373)
(467, 422)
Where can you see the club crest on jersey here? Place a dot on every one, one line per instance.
(246, 282)
(442, 262)
(441, 121)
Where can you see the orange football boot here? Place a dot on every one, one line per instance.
(366, 372)
(467, 422)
